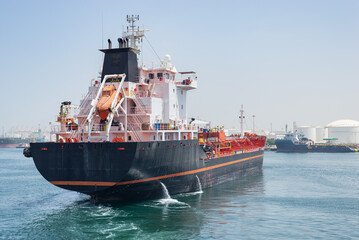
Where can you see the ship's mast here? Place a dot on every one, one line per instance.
(134, 34)
(242, 120)
(131, 19)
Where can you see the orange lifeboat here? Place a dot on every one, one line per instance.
(108, 95)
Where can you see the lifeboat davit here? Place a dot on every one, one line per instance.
(108, 95)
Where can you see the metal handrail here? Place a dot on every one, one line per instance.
(136, 110)
(134, 132)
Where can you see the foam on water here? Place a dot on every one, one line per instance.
(120, 227)
(189, 194)
(103, 211)
(168, 201)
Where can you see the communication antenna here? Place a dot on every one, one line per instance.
(102, 28)
(131, 19)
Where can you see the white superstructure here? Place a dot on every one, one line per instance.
(152, 108)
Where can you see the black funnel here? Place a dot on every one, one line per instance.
(120, 60)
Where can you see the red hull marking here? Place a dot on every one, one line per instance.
(80, 183)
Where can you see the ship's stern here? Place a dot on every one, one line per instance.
(83, 167)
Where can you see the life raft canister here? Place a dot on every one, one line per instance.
(118, 139)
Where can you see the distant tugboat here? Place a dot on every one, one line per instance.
(294, 142)
(131, 134)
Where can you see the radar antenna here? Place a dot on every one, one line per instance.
(133, 32)
(131, 19)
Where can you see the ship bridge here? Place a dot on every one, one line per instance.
(188, 81)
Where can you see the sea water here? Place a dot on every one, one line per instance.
(296, 196)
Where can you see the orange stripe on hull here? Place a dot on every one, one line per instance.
(80, 183)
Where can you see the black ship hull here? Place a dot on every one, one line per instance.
(132, 171)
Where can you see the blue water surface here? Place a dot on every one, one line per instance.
(297, 196)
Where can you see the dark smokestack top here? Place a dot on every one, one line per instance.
(120, 42)
(109, 43)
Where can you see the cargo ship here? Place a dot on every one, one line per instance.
(131, 136)
(13, 142)
(296, 142)
(20, 142)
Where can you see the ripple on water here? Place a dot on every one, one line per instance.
(296, 197)
(189, 194)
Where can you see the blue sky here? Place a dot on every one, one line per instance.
(284, 61)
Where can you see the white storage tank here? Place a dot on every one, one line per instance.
(321, 133)
(308, 132)
(345, 130)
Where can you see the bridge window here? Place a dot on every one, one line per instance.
(151, 76)
(159, 75)
(167, 76)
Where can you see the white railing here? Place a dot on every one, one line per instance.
(137, 122)
(166, 126)
(55, 128)
(84, 110)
